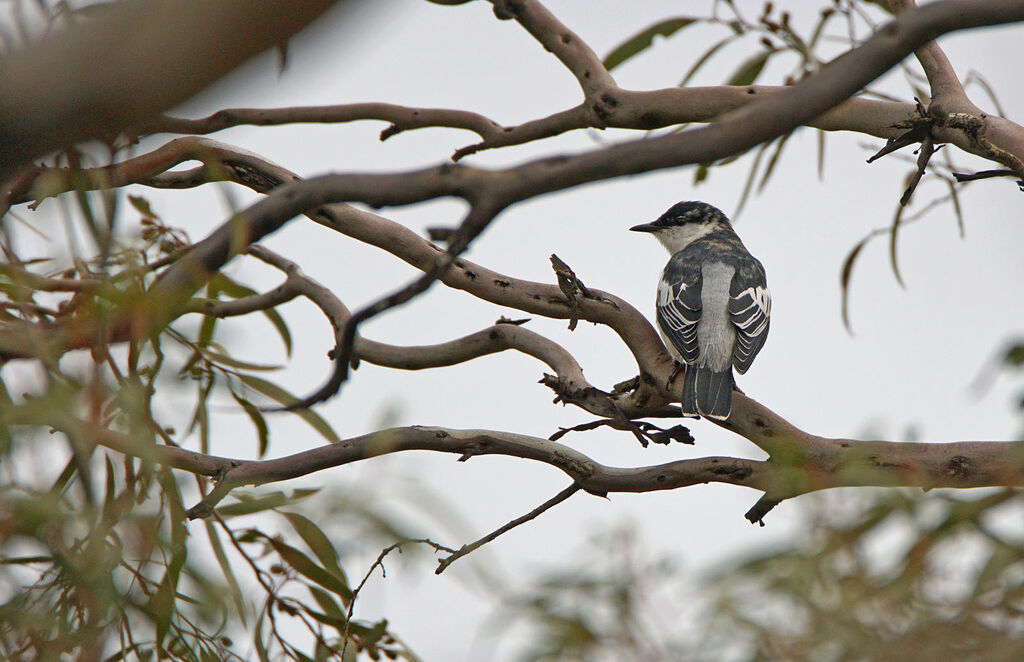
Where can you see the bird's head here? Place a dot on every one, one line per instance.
(683, 223)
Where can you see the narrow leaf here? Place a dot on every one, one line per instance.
(643, 40)
(142, 206)
(702, 60)
(770, 168)
(844, 280)
(257, 639)
(282, 329)
(307, 568)
(280, 395)
(317, 541)
(954, 197)
(225, 568)
(701, 173)
(821, 155)
(231, 362)
(260, 423)
(893, 235)
(327, 602)
(248, 504)
(748, 72)
(750, 179)
(229, 286)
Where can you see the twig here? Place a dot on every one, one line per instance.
(466, 549)
(654, 433)
(380, 562)
(983, 174)
(924, 155)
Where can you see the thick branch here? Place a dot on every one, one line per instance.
(829, 462)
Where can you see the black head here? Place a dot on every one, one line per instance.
(685, 213)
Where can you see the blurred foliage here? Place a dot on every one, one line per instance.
(1013, 362)
(876, 575)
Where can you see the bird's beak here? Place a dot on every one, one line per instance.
(645, 227)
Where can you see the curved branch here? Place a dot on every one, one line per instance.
(401, 118)
(497, 338)
(607, 105)
(830, 462)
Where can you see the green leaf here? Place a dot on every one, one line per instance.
(142, 206)
(376, 632)
(225, 568)
(643, 40)
(893, 235)
(954, 198)
(1014, 356)
(770, 168)
(260, 423)
(749, 185)
(257, 640)
(748, 72)
(248, 504)
(280, 395)
(821, 154)
(282, 329)
(844, 280)
(232, 288)
(231, 362)
(702, 60)
(161, 605)
(236, 290)
(307, 568)
(317, 541)
(701, 173)
(332, 610)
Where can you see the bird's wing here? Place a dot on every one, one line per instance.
(678, 311)
(750, 307)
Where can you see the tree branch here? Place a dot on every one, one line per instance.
(824, 463)
(533, 514)
(401, 118)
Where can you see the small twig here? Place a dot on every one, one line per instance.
(654, 433)
(912, 136)
(983, 174)
(466, 549)
(924, 155)
(380, 562)
(572, 287)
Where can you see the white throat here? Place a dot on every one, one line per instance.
(679, 237)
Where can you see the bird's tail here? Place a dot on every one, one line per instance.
(707, 393)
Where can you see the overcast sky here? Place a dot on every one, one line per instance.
(907, 371)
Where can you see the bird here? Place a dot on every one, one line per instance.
(713, 306)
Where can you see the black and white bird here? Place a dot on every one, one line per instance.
(713, 304)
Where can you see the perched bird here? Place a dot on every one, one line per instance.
(713, 303)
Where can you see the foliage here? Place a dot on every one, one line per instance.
(874, 576)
